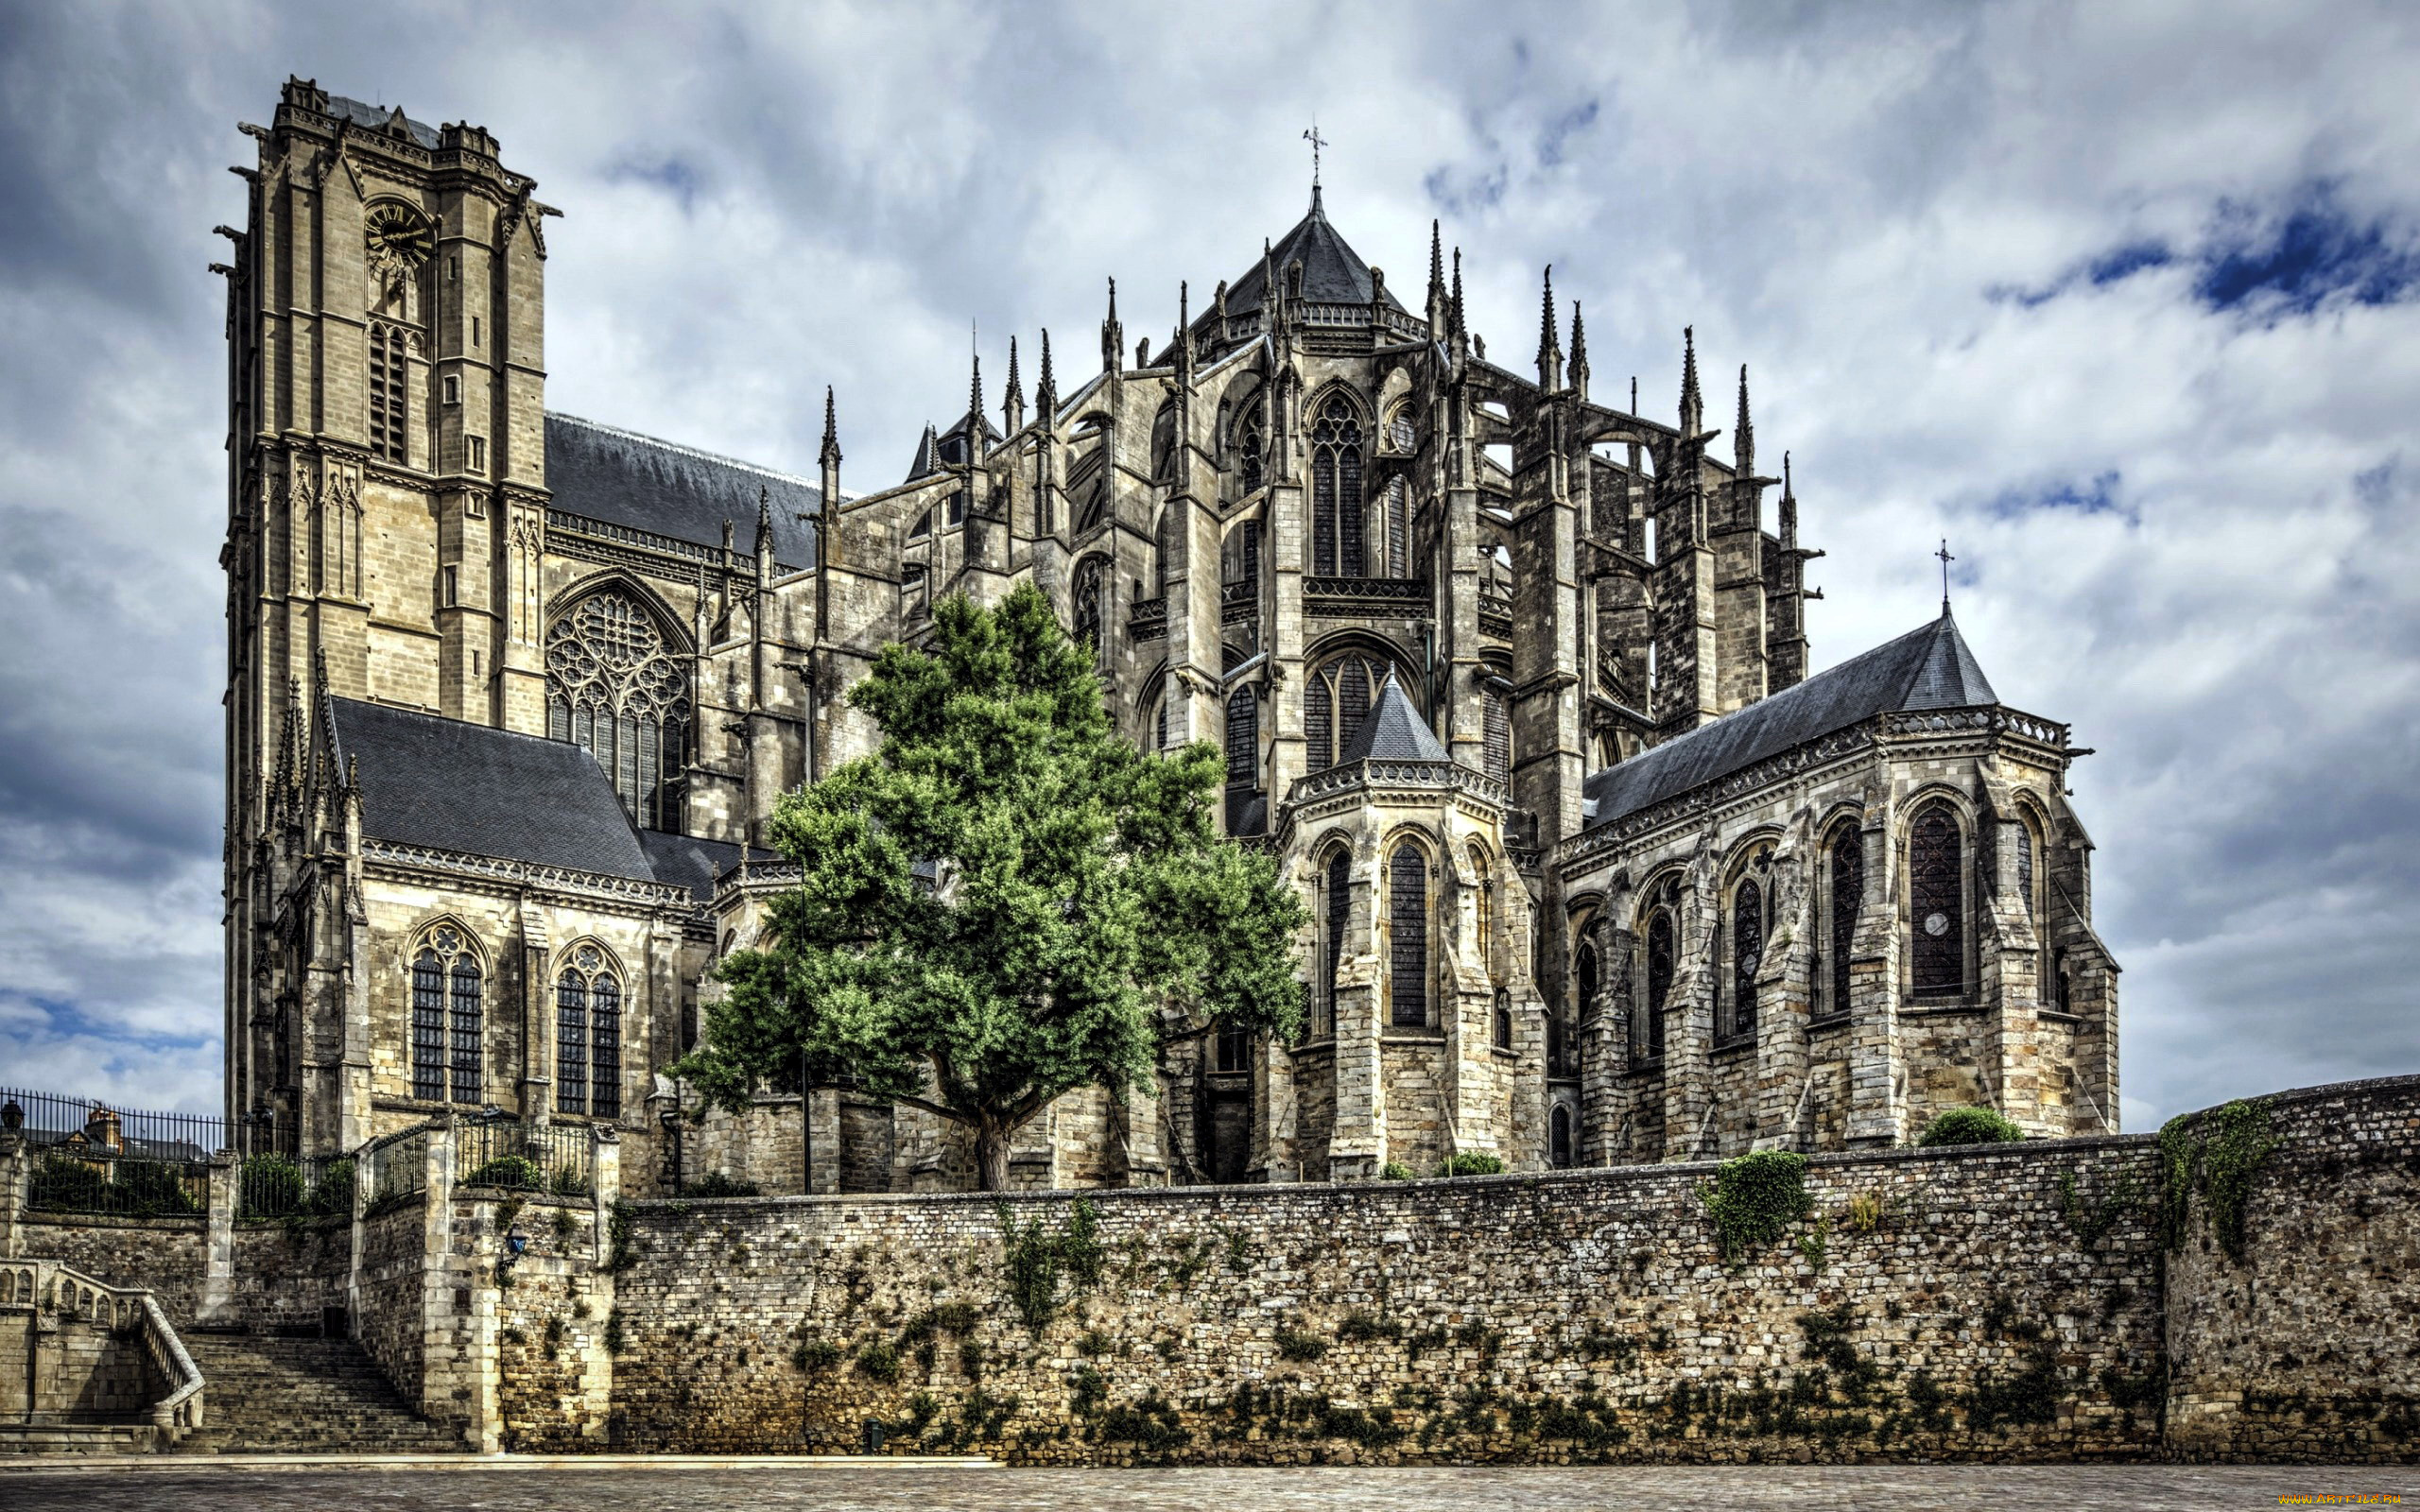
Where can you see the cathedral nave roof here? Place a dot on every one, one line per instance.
(1927, 668)
(628, 479)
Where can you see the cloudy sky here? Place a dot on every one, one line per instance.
(2120, 299)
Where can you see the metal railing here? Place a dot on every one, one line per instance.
(505, 1152)
(88, 1157)
(282, 1188)
(393, 1168)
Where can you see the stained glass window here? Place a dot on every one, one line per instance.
(1087, 602)
(1848, 895)
(1248, 463)
(571, 1043)
(605, 1005)
(1335, 491)
(1659, 979)
(1408, 922)
(1336, 700)
(2025, 867)
(1340, 910)
(1747, 954)
(428, 1028)
(1936, 899)
(1398, 510)
(1243, 739)
(1503, 1019)
(1559, 1143)
(468, 1058)
(615, 689)
(1497, 733)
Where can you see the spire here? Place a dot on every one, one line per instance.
(1436, 256)
(1550, 344)
(1015, 386)
(1459, 326)
(1789, 506)
(1692, 407)
(1579, 352)
(1113, 336)
(763, 527)
(830, 456)
(827, 487)
(1743, 436)
(1046, 393)
(975, 426)
(1181, 349)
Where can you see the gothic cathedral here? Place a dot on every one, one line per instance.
(1513, 682)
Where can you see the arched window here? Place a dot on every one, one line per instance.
(1249, 448)
(1335, 491)
(1401, 435)
(1163, 444)
(1936, 903)
(1482, 911)
(1847, 868)
(428, 1028)
(615, 690)
(571, 1043)
(389, 404)
(1495, 731)
(1243, 740)
(1408, 929)
(1398, 528)
(1090, 584)
(1335, 698)
(446, 1032)
(1559, 1140)
(1659, 980)
(588, 1035)
(1339, 915)
(1503, 1019)
(1747, 954)
(2025, 869)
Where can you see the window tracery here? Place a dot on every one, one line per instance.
(615, 689)
(446, 1018)
(389, 400)
(1747, 954)
(1936, 903)
(1398, 509)
(1336, 548)
(1659, 982)
(588, 1035)
(1087, 605)
(1847, 865)
(1249, 452)
(1339, 915)
(1336, 699)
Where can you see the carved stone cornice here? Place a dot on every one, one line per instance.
(428, 861)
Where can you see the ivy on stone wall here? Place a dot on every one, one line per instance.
(1752, 1198)
(1035, 1259)
(2219, 1154)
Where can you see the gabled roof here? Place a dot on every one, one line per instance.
(1929, 668)
(686, 860)
(1393, 732)
(451, 785)
(628, 479)
(930, 458)
(1333, 272)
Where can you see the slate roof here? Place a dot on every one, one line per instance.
(628, 479)
(686, 860)
(1929, 668)
(429, 780)
(1333, 272)
(378, 117)
(1393, 732)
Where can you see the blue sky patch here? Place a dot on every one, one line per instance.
(2316, 253)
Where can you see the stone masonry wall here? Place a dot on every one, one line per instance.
(389, 1304)
(169, 1255)
(1937, 1304)
(2307, 1348)
(286, 1279)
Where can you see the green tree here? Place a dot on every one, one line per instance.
(1005, 901)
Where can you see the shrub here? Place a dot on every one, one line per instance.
(505, 1171)
(1752, 1198)
(722, 1184)
(1969, 1125)
(1473, 1163)
(1394, 1171)
(879, 1361)
(271, 1186)
(1298, 1344)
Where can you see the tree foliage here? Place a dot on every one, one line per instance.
(1005, 902)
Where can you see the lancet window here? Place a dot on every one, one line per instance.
(1337, 913)
(1087, 606)
(1249, 448)
(1936, 903)
(1847, 868)
(588, 1035)
(1659, 983)
(1336, 699)
(1335, 491)
(1747, 954)
(1407, 931)
(389, 394)
(615, 689)
(446, 1039)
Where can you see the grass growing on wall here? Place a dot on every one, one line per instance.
(1755, 1197)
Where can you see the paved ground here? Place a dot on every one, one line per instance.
(1986, 1488)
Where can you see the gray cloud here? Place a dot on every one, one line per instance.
(2119, 299)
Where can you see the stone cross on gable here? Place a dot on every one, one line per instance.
(1945, 560)
(1316, 141)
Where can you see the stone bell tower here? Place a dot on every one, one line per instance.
(386, 464)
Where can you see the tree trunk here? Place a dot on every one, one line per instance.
(990, 1157)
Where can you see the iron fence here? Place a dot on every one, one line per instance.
(393, 1168)
(88, 1157)
(505, 1152)
(285, 1189)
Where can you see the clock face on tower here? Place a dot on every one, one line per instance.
(398, 238)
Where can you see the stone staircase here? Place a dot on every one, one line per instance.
(279, 1395)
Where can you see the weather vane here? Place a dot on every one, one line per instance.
(1316, 141)
(1945, 560)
